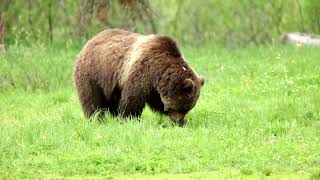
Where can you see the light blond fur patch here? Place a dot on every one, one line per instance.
(134, 55)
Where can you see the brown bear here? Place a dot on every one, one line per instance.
(120, 71)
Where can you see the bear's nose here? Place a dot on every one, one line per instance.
(177, 118)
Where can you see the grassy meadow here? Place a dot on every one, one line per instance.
(258, 116)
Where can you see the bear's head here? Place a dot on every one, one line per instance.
(179, 91)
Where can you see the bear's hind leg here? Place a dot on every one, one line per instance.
(91, 97)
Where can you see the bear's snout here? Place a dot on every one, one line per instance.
(177, 118)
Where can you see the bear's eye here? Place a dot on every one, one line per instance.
(187, 89)
(187, 85)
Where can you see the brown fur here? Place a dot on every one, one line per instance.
(120, 72)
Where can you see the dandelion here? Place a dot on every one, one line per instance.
(246, 81)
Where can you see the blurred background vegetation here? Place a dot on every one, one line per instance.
(228, 23)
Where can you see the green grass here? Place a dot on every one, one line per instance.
(258, 116)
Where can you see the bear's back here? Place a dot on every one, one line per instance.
(109, 45)
(104, 55)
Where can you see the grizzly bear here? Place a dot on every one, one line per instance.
(119, 72)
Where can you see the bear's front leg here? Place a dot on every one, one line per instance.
(132, 102)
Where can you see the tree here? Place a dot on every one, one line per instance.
(85, 16)
(2, 29)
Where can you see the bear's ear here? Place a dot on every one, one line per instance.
(188, 85)
(201, 79)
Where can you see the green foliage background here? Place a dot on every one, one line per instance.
(229, 23)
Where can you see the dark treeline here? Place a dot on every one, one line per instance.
(228, 22)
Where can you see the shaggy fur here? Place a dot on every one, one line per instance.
(120, 72)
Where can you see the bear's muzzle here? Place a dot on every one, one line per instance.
(177, 118)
